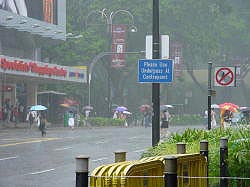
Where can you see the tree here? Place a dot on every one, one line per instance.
(209, 30)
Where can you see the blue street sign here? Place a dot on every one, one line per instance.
(155, 71)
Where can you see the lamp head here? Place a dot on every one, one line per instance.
(133, 29)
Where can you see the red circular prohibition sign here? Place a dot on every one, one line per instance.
(229, 72)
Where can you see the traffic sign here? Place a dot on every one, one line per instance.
(155, 71)
(225, 76)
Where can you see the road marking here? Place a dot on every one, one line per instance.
(134, 137)
(72, 137)
(138, 151)
(64, 148)
(100, 159)
(8, 158)
(27, 142)
(101, 142)
(40, 172)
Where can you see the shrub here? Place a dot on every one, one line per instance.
(238, 149)
(186, 120)
(101, 121)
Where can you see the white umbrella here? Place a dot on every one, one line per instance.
(215, 106)
(126, 112)
(165, 107)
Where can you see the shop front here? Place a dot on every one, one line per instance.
(20, 79)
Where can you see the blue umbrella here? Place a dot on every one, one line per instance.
(38, 107)
(121, 108)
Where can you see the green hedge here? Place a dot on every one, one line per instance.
(186, 120)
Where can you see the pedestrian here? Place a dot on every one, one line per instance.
(147, 118)
(213, 118)
(205, 117)
(31, 115)
(227, 118)
(165, 119)
(42, 125)
(71, 121)
(16, 115)
(115, 116)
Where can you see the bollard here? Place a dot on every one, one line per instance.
(170, 172)
(120, 156)
(82, 169)
(181, 148)
(204, 148)
(204, 152)
(223, 162)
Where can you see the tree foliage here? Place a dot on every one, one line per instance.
(216, 30)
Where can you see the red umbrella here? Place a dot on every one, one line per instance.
(229, 106)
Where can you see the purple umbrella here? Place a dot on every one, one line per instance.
(121, 108)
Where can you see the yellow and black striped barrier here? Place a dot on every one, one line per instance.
(149, 172)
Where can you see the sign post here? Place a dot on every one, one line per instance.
(155, 71)
(225, 76)
(209, 99)
(156, 86)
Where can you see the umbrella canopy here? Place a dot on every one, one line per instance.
(126, 112)
(65, 105)
(165, 107)
(38, 108)
(87, 107)
(114, 105)
(215, 106)
(70, 102)
(229, 106)
(121, 108)
(245, 109)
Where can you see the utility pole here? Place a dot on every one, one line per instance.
(209, 100)
(156, 86)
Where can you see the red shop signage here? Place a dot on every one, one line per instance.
(19, 65)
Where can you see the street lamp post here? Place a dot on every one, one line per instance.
(109, 22)
(94, 61)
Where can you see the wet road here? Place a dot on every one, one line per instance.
(29, 160)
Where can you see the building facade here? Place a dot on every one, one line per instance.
(25, 27)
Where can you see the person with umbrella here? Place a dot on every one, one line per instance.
(226, 114)
(31, 115)
(42, 126)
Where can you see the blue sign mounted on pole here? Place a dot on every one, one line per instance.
(155, 71)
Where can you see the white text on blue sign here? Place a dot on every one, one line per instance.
(155, 71)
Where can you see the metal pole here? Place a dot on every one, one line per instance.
(110, 25)
(209, 95)
(181, 148)
(204, 152)
(204, 148)
(156, 86)
(120, 156)
(95, 60)
(170, 172)
(89, 81)
(223, 162)
(82, 169)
